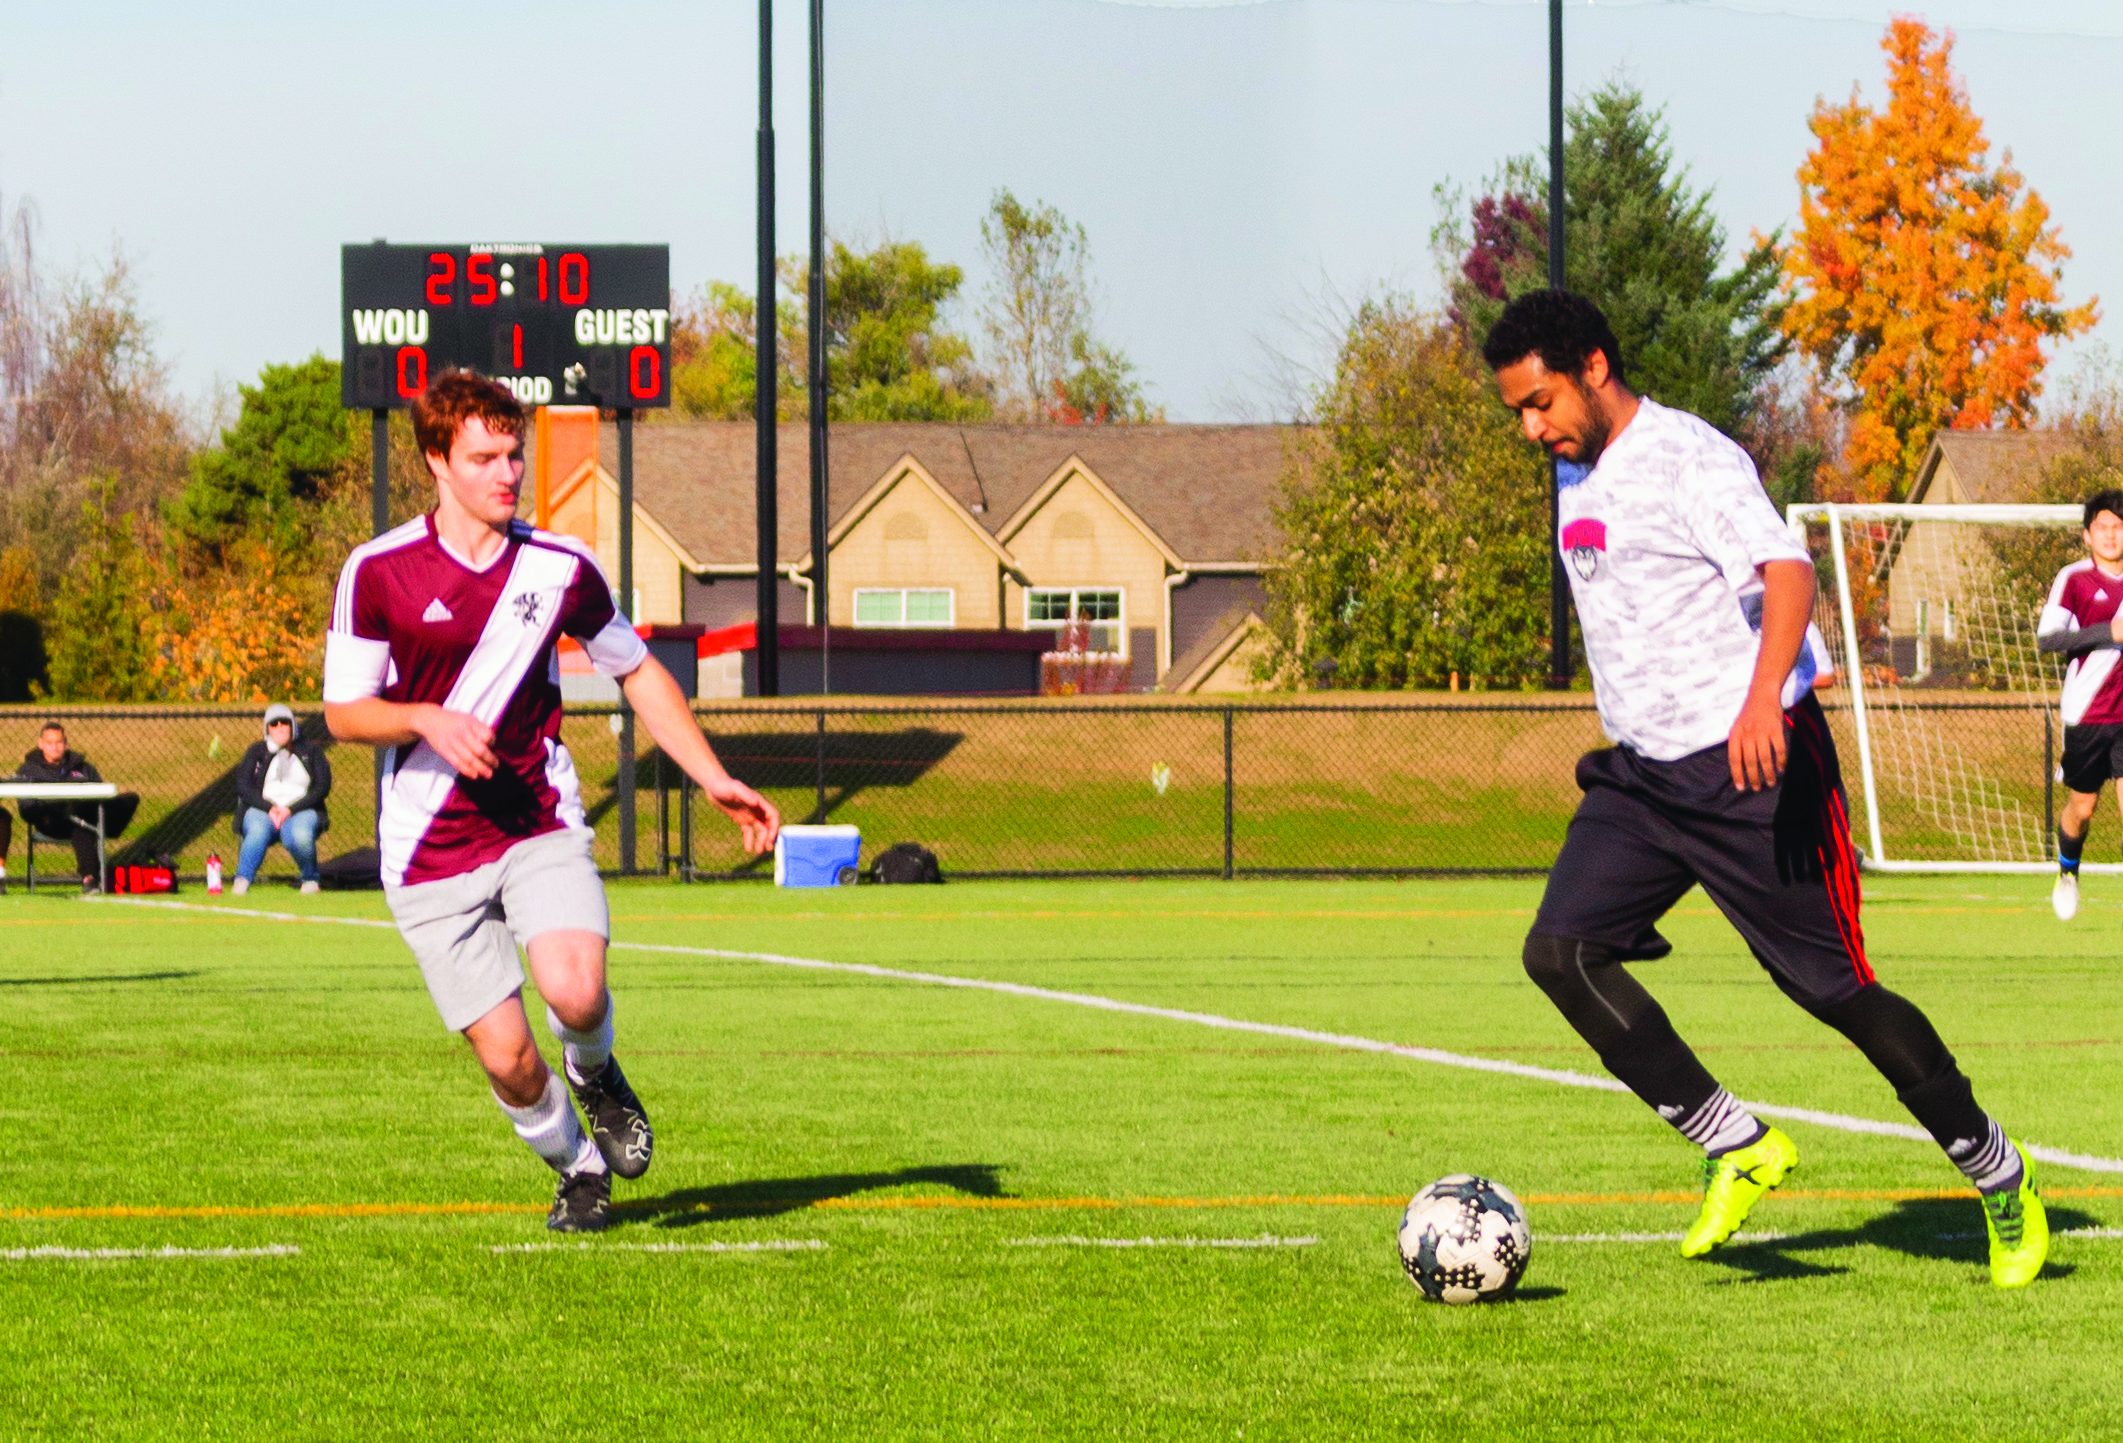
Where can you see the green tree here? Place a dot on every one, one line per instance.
(1099, 388)
(1037, 314)
(2029, 557)
(273, 468)
(24, 666)
(106, 650)
(86, 417)
(715, 361)
(1642, 243)
(1414, 522)
(889, 355)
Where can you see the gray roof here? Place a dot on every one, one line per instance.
(1206, 490)
(1991, 466)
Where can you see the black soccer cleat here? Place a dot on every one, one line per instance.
(617, 1122)
(583, 1204)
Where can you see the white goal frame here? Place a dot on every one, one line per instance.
(1873, 856)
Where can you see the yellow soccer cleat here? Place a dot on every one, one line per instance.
(2019, 1229)
(1733, 1183)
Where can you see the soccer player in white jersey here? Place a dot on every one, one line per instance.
(2083, 619)
(442, 648)
(1696, 607)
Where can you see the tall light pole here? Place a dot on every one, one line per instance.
(767, 641)
(1559, 665)
(822, 595)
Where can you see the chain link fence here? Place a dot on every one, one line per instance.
(1385, 786)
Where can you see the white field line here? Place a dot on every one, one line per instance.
(1072, 1240)
(78, 1255)
(1541, 1239)
(1837, 1121)
(790, 1245)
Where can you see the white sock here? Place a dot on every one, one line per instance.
(550, 1128)
(1720, 1125)
(1990, 1162)
(584, 1052)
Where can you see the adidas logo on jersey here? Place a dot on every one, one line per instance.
(436, 612)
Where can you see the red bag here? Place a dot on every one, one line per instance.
(143, 879)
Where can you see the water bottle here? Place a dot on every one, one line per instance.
(213, 874)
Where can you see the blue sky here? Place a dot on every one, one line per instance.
(1237, 165)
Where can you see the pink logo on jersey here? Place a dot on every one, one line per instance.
(1585, 539)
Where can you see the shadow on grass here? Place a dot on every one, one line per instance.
(95, 980)
(1935, 1229)
(1525, 1295)
(771, 1197)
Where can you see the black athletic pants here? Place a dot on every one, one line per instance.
(1779, 864)
(58, 819)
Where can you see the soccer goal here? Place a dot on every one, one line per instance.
(1942, 700)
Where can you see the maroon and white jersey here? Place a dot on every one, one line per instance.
(2083, 595)
(414, 622)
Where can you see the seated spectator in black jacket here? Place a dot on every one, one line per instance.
(52, 761)
(281, 784)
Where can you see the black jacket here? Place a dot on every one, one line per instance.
(250, 780)
(73, 767)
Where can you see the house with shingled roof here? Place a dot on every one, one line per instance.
(1928, 565)
(1157, 538)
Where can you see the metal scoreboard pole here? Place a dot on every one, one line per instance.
(379, 471)
(626, 599)
(767, 463)
(821, 499)
(1560, 669)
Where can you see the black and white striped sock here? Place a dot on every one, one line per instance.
(1720, 1125)
(1990, 1162)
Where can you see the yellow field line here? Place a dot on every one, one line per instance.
(121, 1211)
(1028, 914)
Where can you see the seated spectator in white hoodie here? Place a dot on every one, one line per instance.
(281, 784)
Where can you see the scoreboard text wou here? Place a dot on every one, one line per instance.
(378, 327)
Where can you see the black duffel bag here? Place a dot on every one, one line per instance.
(906, 862)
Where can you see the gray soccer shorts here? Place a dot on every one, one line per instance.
(464, 930)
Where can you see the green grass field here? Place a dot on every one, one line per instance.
(887, 1208)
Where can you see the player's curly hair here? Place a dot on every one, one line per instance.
(2110, 501)
(1561, 327)
(454, 397)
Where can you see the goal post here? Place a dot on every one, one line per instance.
(1941, 696)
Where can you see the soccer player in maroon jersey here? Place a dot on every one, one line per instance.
(441, 648)
(2084, 620)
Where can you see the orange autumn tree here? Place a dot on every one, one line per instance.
(1921, 280)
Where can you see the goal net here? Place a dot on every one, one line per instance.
(1944, 711)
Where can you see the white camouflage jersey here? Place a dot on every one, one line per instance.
(1662, 540)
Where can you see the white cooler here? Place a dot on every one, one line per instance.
(817, 856)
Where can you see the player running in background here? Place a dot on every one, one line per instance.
(2082, 619)
(1696, 606)
(442, 648)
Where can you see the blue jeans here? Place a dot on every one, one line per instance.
(298, 834)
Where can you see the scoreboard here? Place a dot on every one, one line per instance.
(557, 324)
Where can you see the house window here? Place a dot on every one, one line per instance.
(1100, 609)
(905, 606)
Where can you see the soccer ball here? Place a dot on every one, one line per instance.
(1464, 1240)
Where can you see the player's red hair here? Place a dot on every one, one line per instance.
(456, 396)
